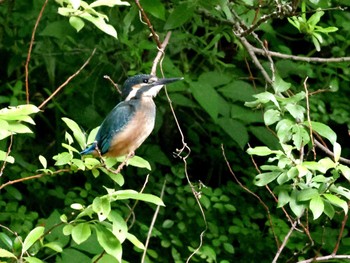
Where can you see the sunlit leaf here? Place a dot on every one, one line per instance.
(32, 237)
(81, 232)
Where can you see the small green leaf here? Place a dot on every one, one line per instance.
(77, 206)
(102, 207)
(283, 198)
(316, 206)
(134, 240)
(262, 151)
(119, 228)
(235, 129)
(32, 260)
(271, 116)
(77, 132)
(62, 158)
(43, 161)
(335, 200)
(110, 3)
(67, 230)
(323, 130)
(297, 208)
(265, 178)
(279, 85)
(81, 233)
(336, 151)
(56, 246)
(101, 24)
(180, 15)
(5, 157)
(139, 162)
(328, 209)
(92, 135)
(6, 254)
(76, 22)
(132, 194)
(296, 111)
(345, 170)
(32, 237)
(109, 242)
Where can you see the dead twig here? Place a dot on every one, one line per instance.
(7, 155)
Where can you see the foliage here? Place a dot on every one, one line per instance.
(58, 206)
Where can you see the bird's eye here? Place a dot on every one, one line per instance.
(145, 80)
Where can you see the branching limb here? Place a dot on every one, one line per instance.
(160, 53)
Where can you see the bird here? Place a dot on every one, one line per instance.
(131, 121)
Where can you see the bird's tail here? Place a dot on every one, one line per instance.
(89, 150)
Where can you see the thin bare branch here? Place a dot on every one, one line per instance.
(113, 83)
(308, 116)
(152, 225)
(32, 177)
(340, 236)
(7, 155)
(149, 24)
(68, 80)
(324, 258)
(330, 153)
(26, 67)
(284, 243)
(160, 53)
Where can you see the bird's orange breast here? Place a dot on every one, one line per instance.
(136, 131)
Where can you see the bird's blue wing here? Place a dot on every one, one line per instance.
(115, 121)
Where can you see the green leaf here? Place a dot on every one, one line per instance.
(262, 151)
(235, 129)
(101, 24)
(345, 170)
(179, 16)
(271, 116)
(296, 111)
(119, 227)
(102, 207)
(92, 135)
(134, 240)
(283, 128)
(5, 157)
(62, 158)
(238, 90)
(283, 198)
(32, 260)
(43, 161)
(300, 136)
(154, 7)
(118, 178)
(55, 246)
(6, 240)
(109, 242)
(328, 209)
(110, 3)
(265, 178)
(77, 132)
(323, 130)
(336, 151)
(6, 254)
(266, 97)
(279, 85)
(297, 208)
(13, 113)
(17, 127)
(76, 22)
(315, 18)
(316, 206)
(335, 200)
(81, 232)
(139, 162)
(32, 237)
(207, 97)
(132, 194)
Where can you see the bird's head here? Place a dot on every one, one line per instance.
(144, 85)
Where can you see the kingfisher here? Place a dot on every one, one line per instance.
(129, 123)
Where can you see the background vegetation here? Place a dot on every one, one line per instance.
(250, 155)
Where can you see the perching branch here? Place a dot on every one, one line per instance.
(160, 53)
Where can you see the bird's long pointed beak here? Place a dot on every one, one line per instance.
(167, 80)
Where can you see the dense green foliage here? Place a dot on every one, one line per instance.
(280, 120)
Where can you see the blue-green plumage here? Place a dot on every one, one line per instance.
(132, 120)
